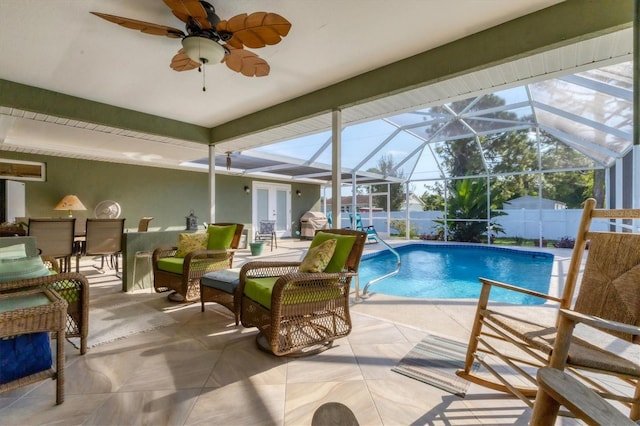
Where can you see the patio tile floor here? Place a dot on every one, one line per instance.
(205, 370)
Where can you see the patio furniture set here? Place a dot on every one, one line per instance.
(300, 308)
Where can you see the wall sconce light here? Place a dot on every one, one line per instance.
(247, 189)
(298, 193)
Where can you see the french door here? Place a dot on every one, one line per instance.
(272, 201)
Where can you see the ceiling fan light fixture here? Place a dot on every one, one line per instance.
(203, 50)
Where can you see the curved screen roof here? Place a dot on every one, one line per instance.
(590, 112)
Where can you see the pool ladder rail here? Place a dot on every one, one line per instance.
(390, 274)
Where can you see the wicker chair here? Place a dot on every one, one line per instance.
(308, 310)
(72, 287)
(609, 299)
(194, 266)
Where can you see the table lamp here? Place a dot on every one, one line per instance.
(70, 202)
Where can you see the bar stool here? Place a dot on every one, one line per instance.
(144, 256)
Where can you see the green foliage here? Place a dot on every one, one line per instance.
(397, 195)
(513, 154)
(433, 197)
(401, 227)
(468, 200)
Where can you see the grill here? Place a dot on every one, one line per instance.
(310, 222)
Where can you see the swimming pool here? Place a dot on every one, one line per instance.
(442, 271)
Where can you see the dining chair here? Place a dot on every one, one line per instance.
(143, 225)
(104, 238)
(54, 238)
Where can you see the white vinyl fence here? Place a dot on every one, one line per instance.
(523, 223)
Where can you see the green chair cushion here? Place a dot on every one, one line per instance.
(22, 269)
(220, 236)
(260, 289)
(171, 264)
(344, 243)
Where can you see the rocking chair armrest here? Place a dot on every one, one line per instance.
(486, 281)
(600, 323)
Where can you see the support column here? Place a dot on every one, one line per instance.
(635, 184)
(336, 169)
(212, 184)
(354, 201)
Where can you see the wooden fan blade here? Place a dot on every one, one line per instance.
(256, 30)
(181, 62)
(145, 27)
(185, 9)
(247, 63)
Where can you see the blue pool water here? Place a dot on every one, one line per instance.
(441, 271)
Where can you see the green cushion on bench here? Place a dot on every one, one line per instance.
(171, 264)
(259, 290)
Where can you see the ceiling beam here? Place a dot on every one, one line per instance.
(29, 98)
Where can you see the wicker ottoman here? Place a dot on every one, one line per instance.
(221, 287)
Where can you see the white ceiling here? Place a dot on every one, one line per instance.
(59, 46)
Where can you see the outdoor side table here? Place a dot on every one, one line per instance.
(35, 311)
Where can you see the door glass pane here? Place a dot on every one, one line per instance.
(262, 208)
(281, 210)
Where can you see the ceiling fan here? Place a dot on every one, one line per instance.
(208, 39)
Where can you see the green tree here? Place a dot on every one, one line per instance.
(397, 194)
(468, 201)
(433, 197)
(571, 187)
(513, 155)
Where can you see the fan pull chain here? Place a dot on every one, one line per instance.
(204, 89)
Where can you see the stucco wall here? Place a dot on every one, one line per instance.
(167, 195)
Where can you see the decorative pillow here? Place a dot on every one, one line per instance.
(22, 269)
(341, 253)
(189, 242)
(220, 236)
(15, 251)
(318, 257)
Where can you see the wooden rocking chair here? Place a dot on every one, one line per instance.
(505, 343)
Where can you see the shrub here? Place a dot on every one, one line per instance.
(565, 242)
